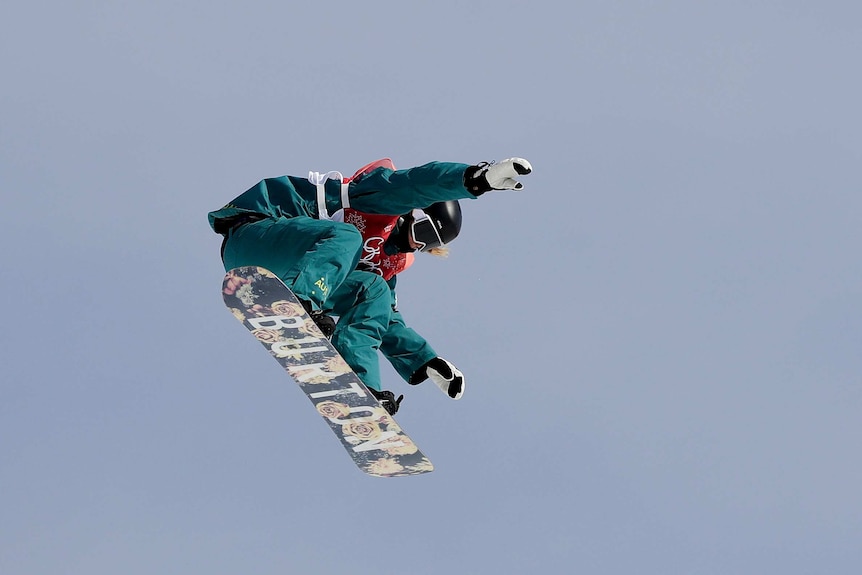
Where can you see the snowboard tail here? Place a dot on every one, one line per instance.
(276, 318)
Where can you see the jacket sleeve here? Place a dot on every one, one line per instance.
(396, 192)
(405, 349)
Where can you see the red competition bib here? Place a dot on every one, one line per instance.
(375, 230)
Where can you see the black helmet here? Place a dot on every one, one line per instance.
(435, 226)
(440, 224)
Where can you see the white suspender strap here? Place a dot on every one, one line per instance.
(319, 180)
(345, 200)
(321, 202)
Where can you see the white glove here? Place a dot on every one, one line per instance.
(444, 375)
(502, 176)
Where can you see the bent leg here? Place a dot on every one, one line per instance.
(363, 302)
(312, 257)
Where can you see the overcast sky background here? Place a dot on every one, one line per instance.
(662, 334)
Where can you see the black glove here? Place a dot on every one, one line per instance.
(444, 375)
(387, 400)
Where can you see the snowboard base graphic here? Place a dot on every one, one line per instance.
(276, 318)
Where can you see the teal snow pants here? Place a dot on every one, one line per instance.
(309, 257)
(363, 304)
(312, 257)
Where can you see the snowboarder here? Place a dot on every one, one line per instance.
(285, 224)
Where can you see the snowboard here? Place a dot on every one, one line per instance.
(276, 318)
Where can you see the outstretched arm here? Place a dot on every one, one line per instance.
(405, 349)
(414, 359)
(385, 191)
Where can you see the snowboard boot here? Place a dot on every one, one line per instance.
(489, 176)
(387, 400)
(324, 322)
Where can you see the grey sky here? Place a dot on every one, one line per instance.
(661, 334)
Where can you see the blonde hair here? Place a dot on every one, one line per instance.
(440, 252)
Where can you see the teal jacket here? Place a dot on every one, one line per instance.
(381, 191)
